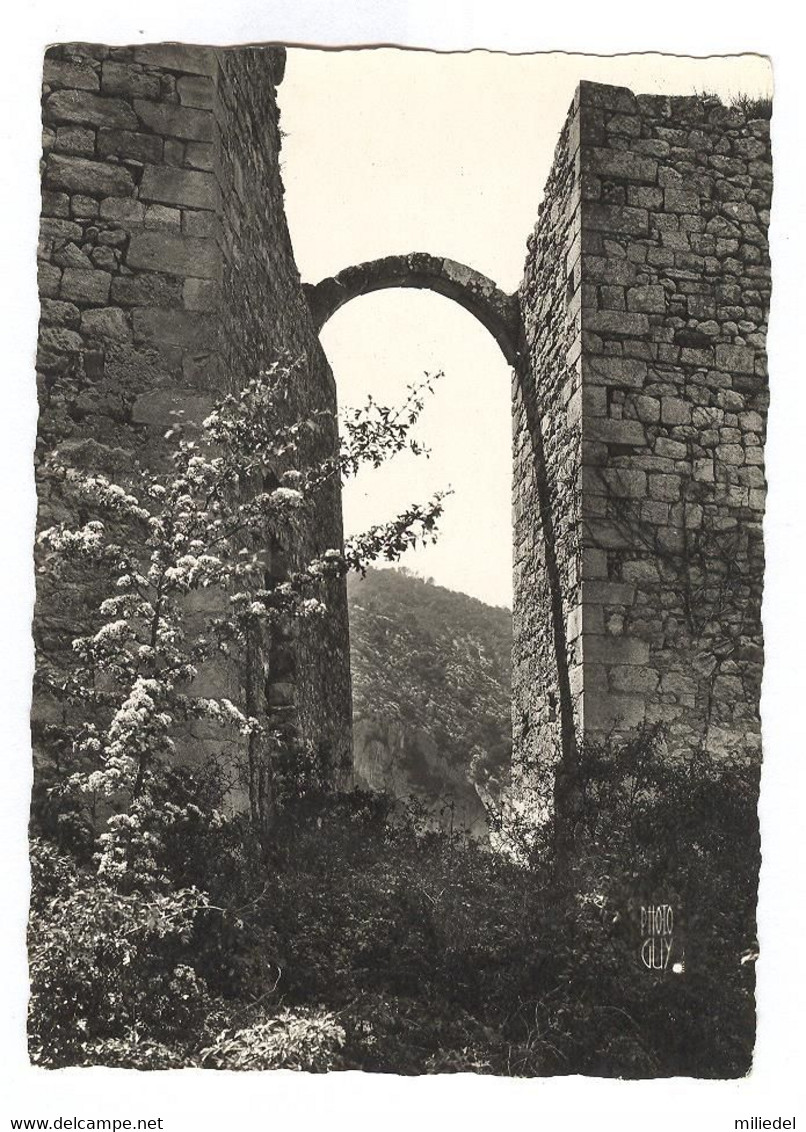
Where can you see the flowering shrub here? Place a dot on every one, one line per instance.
(294, 1039)
(205, 525)
(116, 955)
(106, 966)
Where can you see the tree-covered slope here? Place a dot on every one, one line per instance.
(431, 693)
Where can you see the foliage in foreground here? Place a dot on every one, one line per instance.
(330, 931)
(358, 941)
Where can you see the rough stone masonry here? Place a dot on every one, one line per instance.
(167, 279)
(641, 404)
(639, 387)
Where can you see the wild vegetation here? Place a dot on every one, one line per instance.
(431, 692)
(335, 930)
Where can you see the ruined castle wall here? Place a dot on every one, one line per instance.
(266, 316)
(547, 437)
(676, 274)
(674, 287)
(166, 278)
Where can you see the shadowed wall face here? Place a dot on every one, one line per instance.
(167, 279)
(645, 301)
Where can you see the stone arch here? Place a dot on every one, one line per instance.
(496, 311)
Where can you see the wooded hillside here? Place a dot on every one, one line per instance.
(431, 690)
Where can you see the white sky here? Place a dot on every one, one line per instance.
(390, 151)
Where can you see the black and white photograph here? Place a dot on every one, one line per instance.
(399, 670)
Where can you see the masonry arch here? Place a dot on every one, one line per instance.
(501, 315)
(498, 312)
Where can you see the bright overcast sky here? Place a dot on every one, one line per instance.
(391, 151)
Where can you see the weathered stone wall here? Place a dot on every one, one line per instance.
(639, 400)
(167, 278)
(547, 453)
(669, 282)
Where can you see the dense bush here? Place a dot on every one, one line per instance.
(329, 931)
(359, 939)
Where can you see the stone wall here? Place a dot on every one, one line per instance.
(166, 279)
(547, 453)
(645, 299)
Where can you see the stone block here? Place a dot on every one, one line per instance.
(642, 196)
(644, 573)
(607, 712)
(85, 286)
(147, 290)
(202, 369)
(59, 340)
(655, 512)
(618, 98)
(86, 108)
(616, 431)
(732, 454)
(84, 207)
(616, 218)
(612, 298)
(626, 483)
(60, 74)
(664, 488)
(60, 229)
(601, 591)
(190, 187)
(620, 164)
(125, 211)
(130, 81)
(573, 623)
(106, 322)
(647, 409)
(634, 678)
(202, 224)
(129, 144)
(163, 407)
(196, 90)
(80, 175)
(58, 313)
(701, 356)
(678, 684)
(628, 373)
(616, 323)
(681, 200)
(105, 258)
(72, 256)
(55, 204)
(159, 218)
(598, 269)
(175, 121)
(735, 359)
(200, 294)
(75, 139)
(172, 328)
(739, 211)
(49, 279)
(650, 299)
(185, 57)
(200, 155)
(175, 255)
(673, 449)
(674, 411)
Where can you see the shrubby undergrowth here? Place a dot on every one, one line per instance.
(323, 930)
(356, 939)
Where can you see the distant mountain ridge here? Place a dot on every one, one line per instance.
(431, 673)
